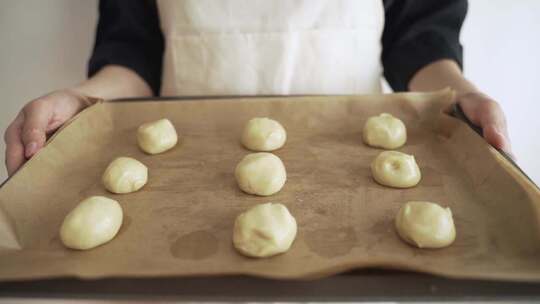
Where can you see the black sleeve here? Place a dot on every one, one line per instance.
(129, 34)
(417, 33)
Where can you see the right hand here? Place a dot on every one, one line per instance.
(38, 119)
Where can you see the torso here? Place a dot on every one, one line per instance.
(261, 47)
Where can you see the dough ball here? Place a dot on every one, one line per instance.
(263, 134)
(157, 136)
(261, 174)
(384, 131)
(95, 221)
(395, 169)
(264, 230)
(426, 225)
(125, 175)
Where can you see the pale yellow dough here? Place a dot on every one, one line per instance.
(264, 230)
(263, 134)
(95, 221)
(157, 136)
(384, 131)
(125, 175)
(395, 169)
(426, 225)
(260, 173)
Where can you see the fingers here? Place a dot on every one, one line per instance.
(28, 133)
(14, 146)
(496, 138)
(34, 131)
(487, 114)
(493, 123)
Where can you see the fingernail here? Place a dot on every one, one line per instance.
(31, 149)
(505, 143)
(496, 129)
(500, 134)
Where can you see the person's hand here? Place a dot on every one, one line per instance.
(487, 114)
(38, 119)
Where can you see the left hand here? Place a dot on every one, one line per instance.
(487, 114)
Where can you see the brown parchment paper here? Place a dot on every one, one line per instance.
(181, 222)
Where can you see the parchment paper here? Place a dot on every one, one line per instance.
(180, 223)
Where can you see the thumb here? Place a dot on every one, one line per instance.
(36, 118)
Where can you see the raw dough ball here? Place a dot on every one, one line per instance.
(384, 131)
(264, 230)
(263, 134)
(426, 225)
(395, 169)
(156, 137)
(95, 221)
(125, 175)
(261, 174)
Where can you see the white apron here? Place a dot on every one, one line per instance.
(266, 47)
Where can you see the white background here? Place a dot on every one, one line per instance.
(44, 45)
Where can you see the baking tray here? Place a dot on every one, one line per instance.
(496, 207)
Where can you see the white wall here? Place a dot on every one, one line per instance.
(45, 45)
(502, 42)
